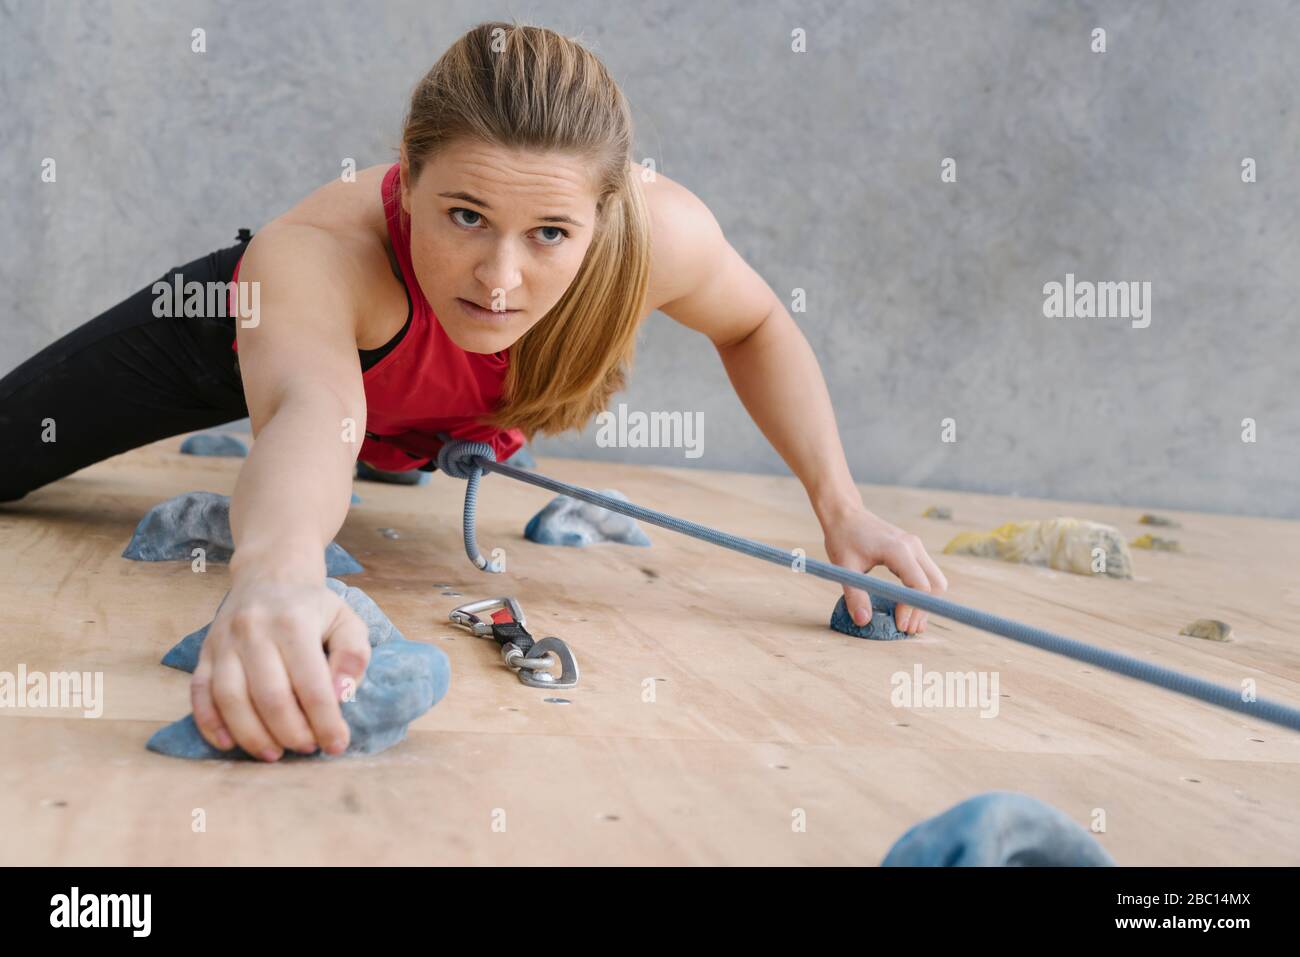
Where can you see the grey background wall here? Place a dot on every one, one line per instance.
(924, 298)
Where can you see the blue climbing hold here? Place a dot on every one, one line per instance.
(171, 530)
(523, 459)
(356, 499)
(207, 443)
(998, 829)
(573, 522)
(403, 680)
(882, 626)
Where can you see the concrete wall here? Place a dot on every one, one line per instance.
(924, 298)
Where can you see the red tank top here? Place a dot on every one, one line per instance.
(426, 384)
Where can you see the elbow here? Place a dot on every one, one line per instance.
(754, 332)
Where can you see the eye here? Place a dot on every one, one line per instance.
(564, 234)
(460, 209)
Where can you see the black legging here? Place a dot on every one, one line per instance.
(122, 380)
(127, 378)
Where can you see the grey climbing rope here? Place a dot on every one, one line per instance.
(468, 460)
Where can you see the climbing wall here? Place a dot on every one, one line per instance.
(718, 719)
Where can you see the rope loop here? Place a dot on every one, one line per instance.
(456, 458)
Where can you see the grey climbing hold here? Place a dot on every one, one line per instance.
(569, 521)
(171, 530)
(998, 829)
(208, 443)
(403, 680)
(184, 655)
(881, 627)
(408, 477)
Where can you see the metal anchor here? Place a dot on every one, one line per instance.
(528, 658)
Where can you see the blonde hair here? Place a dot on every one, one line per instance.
(519, 86)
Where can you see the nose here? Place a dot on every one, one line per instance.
(499, 271)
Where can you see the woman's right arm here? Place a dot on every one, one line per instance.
(262, 681)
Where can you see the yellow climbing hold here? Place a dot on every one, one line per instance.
(942, 512)
(1068, 544)
(1153, 543)
(1149, 519)
(1208, 628)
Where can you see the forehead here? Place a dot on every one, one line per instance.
(511, 176)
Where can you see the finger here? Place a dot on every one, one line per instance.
(271, 690)
(938, 583)
(206, 717)
(317, 692)
(347, 642)
(230, 691)
(902, 561)
(858, 602)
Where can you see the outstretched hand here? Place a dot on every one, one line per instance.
(261, 680)
(860, 540)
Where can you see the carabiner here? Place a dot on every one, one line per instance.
(528, 658)
(466, 615)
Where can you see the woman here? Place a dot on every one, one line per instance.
(489, 285)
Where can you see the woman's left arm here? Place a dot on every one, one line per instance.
(699, 280)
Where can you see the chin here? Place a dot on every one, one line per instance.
(472, 338)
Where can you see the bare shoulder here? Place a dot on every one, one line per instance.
(343, 205)
(332, 246)
(696, 277)
(684, 235)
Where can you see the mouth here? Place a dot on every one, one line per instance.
(475, 311)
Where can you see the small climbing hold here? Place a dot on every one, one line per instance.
(356, 499)
(403, 680)
(1156, 544)
(942, 512)
(998, 829)
(389, 533)
(1149, 519)
(881, 627)
(1210, 629)
(570, 521)
(523, 459)
(1066, 544)
(207, 443)
(407, 477)
(171, 530)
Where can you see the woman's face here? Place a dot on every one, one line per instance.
(502, 229)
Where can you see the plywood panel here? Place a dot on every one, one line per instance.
(759, 713)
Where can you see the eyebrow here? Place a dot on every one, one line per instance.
(478, 202)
